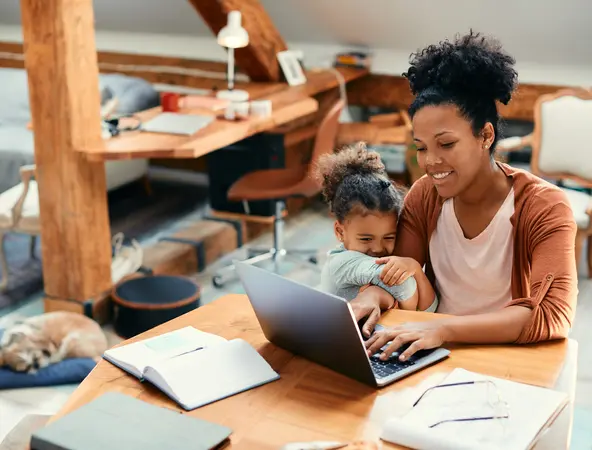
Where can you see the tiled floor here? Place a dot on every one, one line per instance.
(313, 228)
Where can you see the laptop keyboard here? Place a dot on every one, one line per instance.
(393, 365)
(383, 369)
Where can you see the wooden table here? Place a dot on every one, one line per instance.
(311, 402)
(289, 103)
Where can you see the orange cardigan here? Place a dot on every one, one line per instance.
(544, 276)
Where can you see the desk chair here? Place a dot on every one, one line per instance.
(560, 153)
(278, 185)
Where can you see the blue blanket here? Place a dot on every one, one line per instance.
(69, 371)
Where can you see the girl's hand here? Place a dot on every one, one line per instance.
(396, 270)
(421, 335)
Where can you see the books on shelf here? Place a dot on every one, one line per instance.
(193, 367)
(481, 412)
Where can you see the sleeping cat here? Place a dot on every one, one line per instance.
(36, 342)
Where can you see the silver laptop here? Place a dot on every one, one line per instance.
(176, 123)
(322, 328)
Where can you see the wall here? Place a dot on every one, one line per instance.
(550, 42)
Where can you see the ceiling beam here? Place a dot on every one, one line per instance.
(258, 59)
(61, 64)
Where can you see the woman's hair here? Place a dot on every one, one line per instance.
(355, 181)
(473, 72)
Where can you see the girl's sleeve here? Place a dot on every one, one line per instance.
(351, 268)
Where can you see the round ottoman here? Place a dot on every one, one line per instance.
(142, 303)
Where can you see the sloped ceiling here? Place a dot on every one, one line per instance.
(542, 31)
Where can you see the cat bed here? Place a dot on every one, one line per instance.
(141, 303)
(68, 371)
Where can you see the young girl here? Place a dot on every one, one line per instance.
(367, 207)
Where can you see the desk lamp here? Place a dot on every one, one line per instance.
(232, 36)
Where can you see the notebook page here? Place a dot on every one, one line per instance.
(149, 351)
(529, 408)
(208, 375)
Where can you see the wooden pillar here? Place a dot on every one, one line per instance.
(61, 63)
(258, 59)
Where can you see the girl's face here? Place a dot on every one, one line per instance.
(447, 149)
(373, 233)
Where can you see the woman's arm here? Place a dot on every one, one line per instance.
(427, 295)
(554, 279)
(412, 237)
(503, 326)
(369, 304)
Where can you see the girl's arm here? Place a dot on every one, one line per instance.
(357, 269)
(395, 269)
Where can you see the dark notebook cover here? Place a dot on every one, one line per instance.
(115, 420)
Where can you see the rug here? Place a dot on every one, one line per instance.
(131, 211)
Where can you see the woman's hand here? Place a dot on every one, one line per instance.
(396, 270)
(421, 335)
(368, 304)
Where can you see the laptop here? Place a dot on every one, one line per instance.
(176, 123)
(321, 327)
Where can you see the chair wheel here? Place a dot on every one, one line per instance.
(217, 281)
(313, 259)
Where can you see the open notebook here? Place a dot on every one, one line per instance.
(192, 367)
(441, 420)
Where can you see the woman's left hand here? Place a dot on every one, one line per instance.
(421, 335)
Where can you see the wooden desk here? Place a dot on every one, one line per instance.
(311, 402)
(289, 103)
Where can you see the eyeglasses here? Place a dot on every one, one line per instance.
(500, 409)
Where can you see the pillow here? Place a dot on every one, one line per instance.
(68, 371)
(133, 94)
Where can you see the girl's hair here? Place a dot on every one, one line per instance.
(473, 72)
(355, 181)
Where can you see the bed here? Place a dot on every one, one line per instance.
(16, 141)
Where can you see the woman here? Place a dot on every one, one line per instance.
(497, 242)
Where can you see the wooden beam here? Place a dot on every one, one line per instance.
(194, 73)
(371, 133)
(258, 59)
(390, 91)
(61, 64)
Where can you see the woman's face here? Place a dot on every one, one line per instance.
(447, 149)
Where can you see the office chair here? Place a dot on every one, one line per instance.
(278, 185)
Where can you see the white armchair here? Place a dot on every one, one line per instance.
(19, 213)
(561, 151)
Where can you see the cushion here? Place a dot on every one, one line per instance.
(69, 371)
(580, 202)
(564, 133)
(133, 94)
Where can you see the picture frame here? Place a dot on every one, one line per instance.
(291, 67)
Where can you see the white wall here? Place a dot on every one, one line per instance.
(549, 39)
